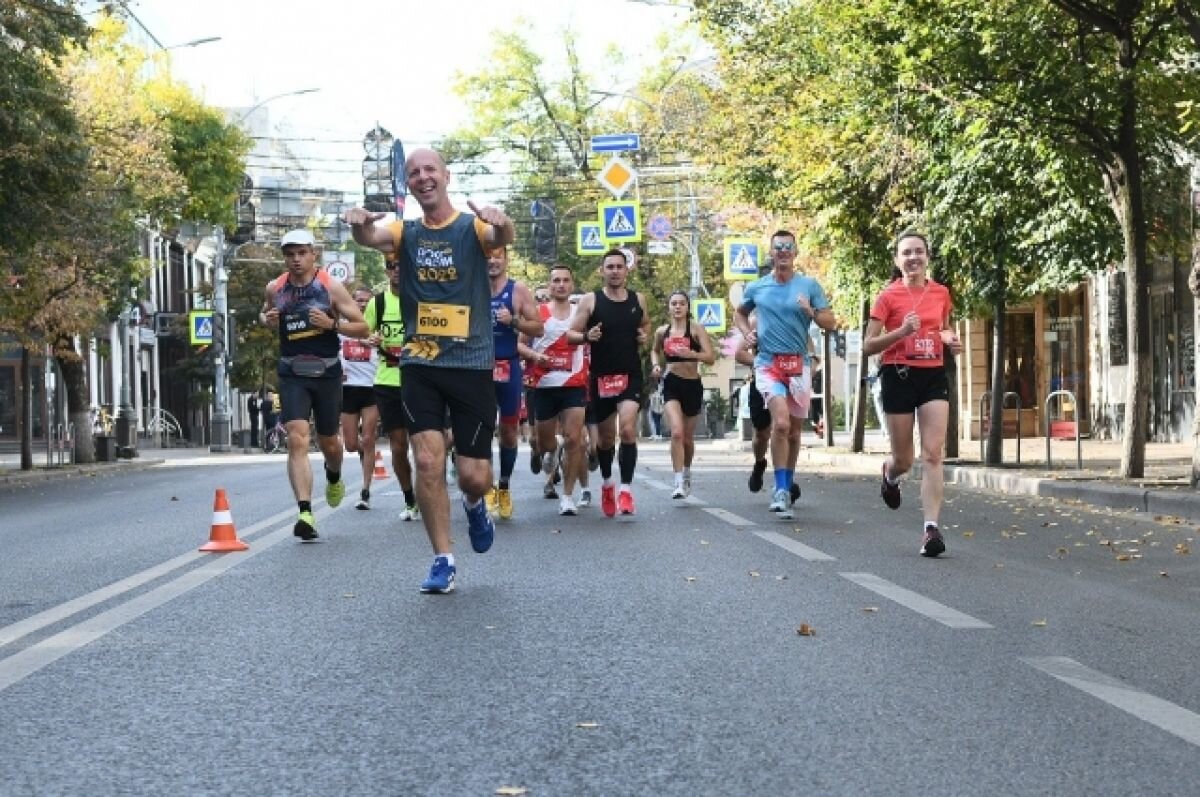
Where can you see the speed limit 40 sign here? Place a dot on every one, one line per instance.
(339, 265)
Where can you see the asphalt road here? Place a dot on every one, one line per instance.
(1051, 651)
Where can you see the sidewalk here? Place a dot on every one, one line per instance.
(1165, 489)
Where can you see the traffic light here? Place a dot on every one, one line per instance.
(218, 336)
(839, 343)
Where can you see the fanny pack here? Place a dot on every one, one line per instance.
(308, 365)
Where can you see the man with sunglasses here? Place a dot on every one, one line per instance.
(786, 303)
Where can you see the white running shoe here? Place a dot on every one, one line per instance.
(566, 506)
(585, 498)
(410, 513)
(781, 503)
(687, 486)
(679, 493)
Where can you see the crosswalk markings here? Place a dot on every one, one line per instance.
(918, 603)
(1160, 713)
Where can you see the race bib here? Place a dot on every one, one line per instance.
(612, 385)
(502, 371)
(443, 320)
(558, 362)
(789, 364)
(920, 348)
(355, 351)
(297, 326)
(676, 347)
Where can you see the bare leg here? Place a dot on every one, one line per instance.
(932, 417)
(429, 450)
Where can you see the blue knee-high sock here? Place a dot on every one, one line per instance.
(508, 460)
(781, 479)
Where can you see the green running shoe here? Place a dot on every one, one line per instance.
(335, 492)
(306, 527)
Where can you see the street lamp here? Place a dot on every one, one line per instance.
(242, 117)
(193, 43)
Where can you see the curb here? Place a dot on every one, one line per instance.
(44, 474)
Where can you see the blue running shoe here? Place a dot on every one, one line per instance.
(441, 577)
(480, 526)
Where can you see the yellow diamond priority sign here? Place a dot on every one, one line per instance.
(617, 176)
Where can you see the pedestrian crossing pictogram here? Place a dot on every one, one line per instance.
(204, 328)
(592, 239)
(588, 238)
(711, 314)
(200, 327)
(710, 317)
(620, 222)
(741, 259)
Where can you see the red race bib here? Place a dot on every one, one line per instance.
(558, 362)
(612, 385)
(789, 364)
(355, 351)
(921, 348)
(676, 346)
(502, 371)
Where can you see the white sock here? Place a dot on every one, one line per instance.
(687, 473)
(449, 557)
(933, 523)
(611, 481)
(625, 488)
(471, 503)
(679, 478)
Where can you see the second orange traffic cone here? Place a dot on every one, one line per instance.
(223, 536)
(380, 472)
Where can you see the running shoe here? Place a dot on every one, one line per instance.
(755, 482)
(492, 501)
(566, 506)
(364, 500)
(608, 499)
(687, 486)
(782, 504)
(625, 502)
(890, 492)
(548, 463)
(548, 492)
(794, 491)
(679, 492)
(335, 492)
(441, 577)
(932, 543)
(585, 498)
(535, 461)
(306, 527)
(410, 513)
(593, 461)
(504, 502)
(480, 526)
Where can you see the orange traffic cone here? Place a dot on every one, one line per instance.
(380, 473)
(223, 537)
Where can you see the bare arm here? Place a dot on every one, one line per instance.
(347, 320)
(365, 232)
(527, 320)
(579, 332)
(706, 354)
(656, 349)
(644, 329)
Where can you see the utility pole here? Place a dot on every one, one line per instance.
(221, 436)
(126, 426)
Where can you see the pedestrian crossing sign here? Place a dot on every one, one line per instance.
(588, 239)
(710, 313)
(741, 259)
(200, 327)
(621, 221)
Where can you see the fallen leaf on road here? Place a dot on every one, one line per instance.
(347, 594)
(173, 498)
(512, 791)
(1163, 573)
(1061, 552)
(704, 542)
(587, 725)
(806, 630)
(871, 609)
(998, 565)
(1182, 549)
(1123, 557)
(754, 574)
(689, 579)
(968, 534)
(556, 531)
(1039, 623)
(781, 578)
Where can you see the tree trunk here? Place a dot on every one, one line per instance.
(995, 438)
(70, 363)
(1194, 287)
(858, 433)
(26, 415)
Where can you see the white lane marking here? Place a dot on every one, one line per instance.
(24, 663)
(912, 600)
(794, 546)
(655, 483)
(1171, 718)
(728, 517)
(11, 633)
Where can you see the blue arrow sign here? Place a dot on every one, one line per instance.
(617, 142)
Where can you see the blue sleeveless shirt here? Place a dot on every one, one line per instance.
(503, 335)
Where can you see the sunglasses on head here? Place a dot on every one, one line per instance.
(785, 247)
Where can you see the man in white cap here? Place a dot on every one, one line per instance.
(310, 308)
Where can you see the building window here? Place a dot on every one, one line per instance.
(1066, 351)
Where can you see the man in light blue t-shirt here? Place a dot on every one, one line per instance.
(786, 304)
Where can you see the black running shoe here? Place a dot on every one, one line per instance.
(794, 490)
(755, 482)
(889, 492)
(306, 527)
(932, 543)
(535, 461)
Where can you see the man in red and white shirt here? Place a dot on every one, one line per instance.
(559, 375)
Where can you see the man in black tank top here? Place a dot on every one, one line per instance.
(615, 322)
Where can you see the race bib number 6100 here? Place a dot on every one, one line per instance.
(443, 320)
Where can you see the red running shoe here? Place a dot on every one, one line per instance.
(608, 500)
(625, 502)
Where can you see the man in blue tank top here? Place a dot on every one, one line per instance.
(310, 308)
(513, 313)
(448, 354)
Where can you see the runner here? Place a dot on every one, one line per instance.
(910, 325)
(683, 344)
(513, 313)
(448, 355)
(613, 320)
(787, 303)
(560, 392)
(310, 308)
(359, 361)
(387, 337)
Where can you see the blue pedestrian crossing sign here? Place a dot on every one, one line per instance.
(588, 238)
(621, 221)
(200, 327)
(742, 256)
(710, 313)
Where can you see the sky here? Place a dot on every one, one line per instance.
(391, 62)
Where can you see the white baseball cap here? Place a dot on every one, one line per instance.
(299, 237)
